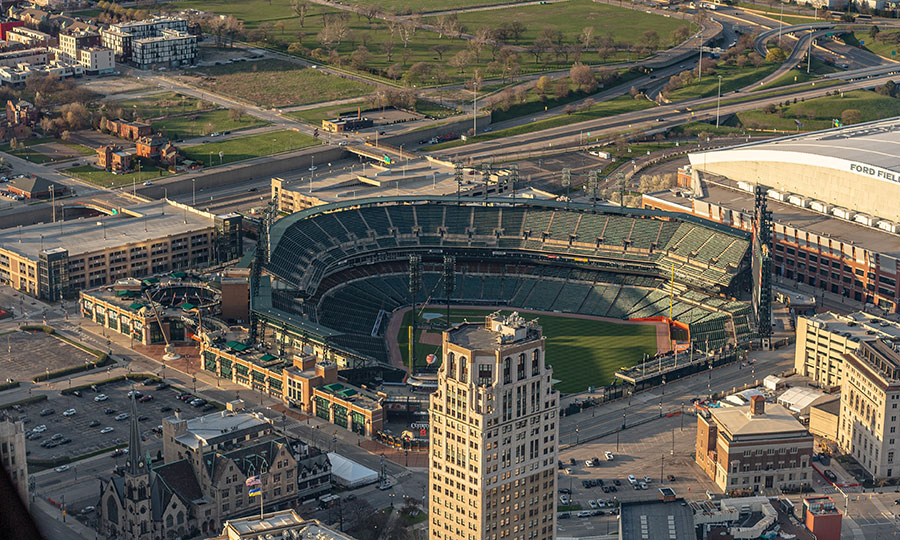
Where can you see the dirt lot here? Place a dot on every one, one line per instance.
(95, 139)
(86, 438)
(33, 353)
(114, 85)
(56, 151)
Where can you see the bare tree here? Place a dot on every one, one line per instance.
(371, 12)
(388, 48)
(461, 59)
(587, 37)
(439, 50)
(406, 31)
(301, 8)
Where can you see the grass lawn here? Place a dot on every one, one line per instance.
(278, 27)
(733, 78)
(423, 6)
(275, 83)
(619, 105)
(203, 123)
(798, 75)
(876, 46)
(253, 146)
(107, 179)
(818, 113)
(35, 156)
(572, 17)
(583, 352)
(316, 115)
(159, 105)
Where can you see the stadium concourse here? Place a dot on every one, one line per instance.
(342, 269)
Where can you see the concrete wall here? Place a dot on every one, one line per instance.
(250, 170)
(460, 127)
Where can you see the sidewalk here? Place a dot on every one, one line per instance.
(41, 505)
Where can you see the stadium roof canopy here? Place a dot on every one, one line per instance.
(873, 144)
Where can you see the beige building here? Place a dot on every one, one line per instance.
(494, 434)
(824, 417)
(824, 339)
(55, 260)
(284, 524)
(754, 448)
(12, 454)
(870, 407)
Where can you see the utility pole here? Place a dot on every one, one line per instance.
(809, 52)
(718, 100)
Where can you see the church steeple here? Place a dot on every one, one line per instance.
(135, 464)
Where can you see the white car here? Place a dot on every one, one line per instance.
(121, 416)
(69, 412)
(609, 456)
(106, 430)
(583, 513)
(631, 478)
(101, 397)
(647, 479)
(564, 499)
(62, 468)
(601, 503)
(39, 429)
(589, 463)
(592, 503)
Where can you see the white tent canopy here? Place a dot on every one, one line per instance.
(350, 473)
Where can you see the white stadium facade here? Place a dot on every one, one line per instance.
(833, 195)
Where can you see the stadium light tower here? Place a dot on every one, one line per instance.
(415, 283)
(449, 281)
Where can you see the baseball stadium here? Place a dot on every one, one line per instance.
(612, 285)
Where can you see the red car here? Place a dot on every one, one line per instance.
(146, 398)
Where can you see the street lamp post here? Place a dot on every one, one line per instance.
(718, 100)
(193, 192)
(577, 436)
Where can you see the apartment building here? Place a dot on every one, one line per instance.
(494, 434)
(870, 407)
(35, 56)
(29, 38)
(823, 340)
(84, 47)
(12, 454)
(754, 448)
(152, 42)
(55, 260)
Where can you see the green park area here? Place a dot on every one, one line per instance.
(32, 150)
(819, 113)
(434, 50)
(582, 352)
(733, 78)
(148, 172)
(159, 105)
(612, 107)
(205, 123)
(884, 43)
(315, 115)
(403, 7)
(249, 147)
(274, 83)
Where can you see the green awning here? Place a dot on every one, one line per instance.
(150, 281)
(135, 306)
(348, 392)
(333, 387)
(237, 346)
(268, 358)
(178, 275)
(187, 306)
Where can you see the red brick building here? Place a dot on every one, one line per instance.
(822, 517)
(9, 25)
(129, 130)
(150, 147)
(20, 112)
(35, 187)
(113, 158)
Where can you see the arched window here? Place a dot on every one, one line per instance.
(112, 510)
(180, 517)
(169, 521)
(507, 373)
(451, 365)
(463, 369)
(520, 367)
(535, 362)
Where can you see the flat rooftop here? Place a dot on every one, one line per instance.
(739, 423)
(873, 143)
(656, 521)
(132, 225)
(208, 428)
(869, 238)
(859, 326)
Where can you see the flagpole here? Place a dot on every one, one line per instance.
(260, 496)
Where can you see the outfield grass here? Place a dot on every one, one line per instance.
(253, 146)
(281, 28)
(818, 113)
(203, 123)
(619, 105)
(733, 78)
(105, 178)
(275, 83)
(582, 352)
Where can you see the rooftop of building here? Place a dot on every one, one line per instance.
(726, 194)
(859, 325)
(656, 520)
(208, 428)
(175, 293)
(494, 333)
(285, 524)
(821, 505)
(738, 421)
(156, 19)
(350, 180)
(131, 225)
(828, 403)
(873, 143)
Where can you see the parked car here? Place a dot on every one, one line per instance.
(69, 412)
(121, 416)
(39, 429)
(670, 478)
(162, 386)
(588, 463)
(583, 513)
(106, 430)
(109, 411)
(609, 456)
(47, 412)
(101, 397)
(56, 437)
(830, 475)
(149, 382)
(592, 504)
(145, 399)
(567, 491)
(62, 468)
(617, 482)
(94, 423)
(165, 409)
(135, 393)
(564, 499)
(142, 418)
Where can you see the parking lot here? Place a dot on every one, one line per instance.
(84, 429)
(33, 353)
(643, 450)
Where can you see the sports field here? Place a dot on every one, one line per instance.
(583, 352)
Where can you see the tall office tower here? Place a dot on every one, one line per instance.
(493, 434)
